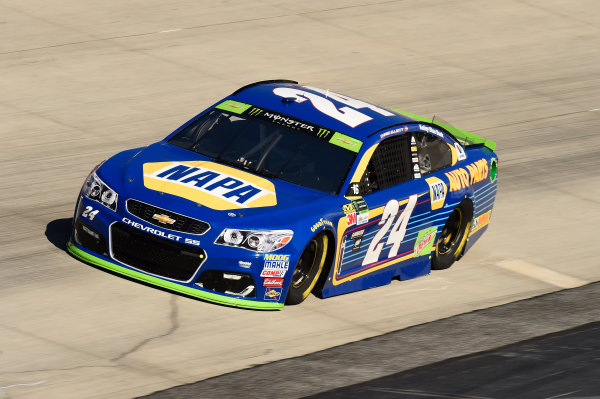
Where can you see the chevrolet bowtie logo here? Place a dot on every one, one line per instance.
(163, 219)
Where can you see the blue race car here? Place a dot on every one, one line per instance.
(280, 190)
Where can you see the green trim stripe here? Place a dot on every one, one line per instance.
(233, 106)
(347, 142)
(462, 135)
(208, 296)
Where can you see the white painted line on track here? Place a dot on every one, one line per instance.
(541, 273)
(170, 30)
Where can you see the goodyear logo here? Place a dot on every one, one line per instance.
(471, 174)
(214, 185)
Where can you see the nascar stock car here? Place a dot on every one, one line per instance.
(280, 190)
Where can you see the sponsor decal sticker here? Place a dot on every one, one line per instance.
(362, 211)
(321, 223)
(362, 218)
(348, 208)
(233, 106)
(276, 265)
(244, 264)
(211, 184)
(273, 294)
(393, 131)
(351, 219)
(424, 242)
(460, 152)
(464, 177)
(493, 169)
(357, 237)
(347, 142)
(481, 221)
(273, 282)
(437, 192)
(432, 130)
(415, 158)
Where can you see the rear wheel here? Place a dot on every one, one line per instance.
(453, 238)
(307, 270)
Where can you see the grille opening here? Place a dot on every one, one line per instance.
(155, 255)
(89, 238)
(240, 284)
(177, 222)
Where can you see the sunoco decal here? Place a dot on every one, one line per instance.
(272, 294)
(213, 185)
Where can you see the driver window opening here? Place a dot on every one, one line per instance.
(389, 165)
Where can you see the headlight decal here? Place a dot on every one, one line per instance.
(255, 240)
(95, 189)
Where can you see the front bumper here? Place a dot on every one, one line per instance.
(195, 292)
(174, 260)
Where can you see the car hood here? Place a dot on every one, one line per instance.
(188, 183)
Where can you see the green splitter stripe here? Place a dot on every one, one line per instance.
(462, 135)
(347, 142)
(208, 296)
(233, 106)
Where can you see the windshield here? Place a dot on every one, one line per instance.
(270, 144)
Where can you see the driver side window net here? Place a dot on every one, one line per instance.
(389, 165)
(434, 154)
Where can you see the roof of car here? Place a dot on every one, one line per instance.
(346, 115)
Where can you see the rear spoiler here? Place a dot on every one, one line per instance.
(466, 138)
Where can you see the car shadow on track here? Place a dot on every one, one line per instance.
(58, 232)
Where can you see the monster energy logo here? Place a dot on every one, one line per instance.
(323, 133)
(255, 112)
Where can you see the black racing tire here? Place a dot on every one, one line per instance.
(453, 238)
(307, 270)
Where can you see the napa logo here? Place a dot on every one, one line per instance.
(211, 184)
(437, 192)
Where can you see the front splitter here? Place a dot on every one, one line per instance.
(207, 296)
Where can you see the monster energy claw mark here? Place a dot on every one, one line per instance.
(323, 133)
(255, 112)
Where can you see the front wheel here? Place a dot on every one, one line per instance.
(307, 270)
(453, 238)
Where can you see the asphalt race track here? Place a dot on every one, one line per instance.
(82, 80)
(462, 357)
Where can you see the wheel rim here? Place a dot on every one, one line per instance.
(305, 264)
(451, 233)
